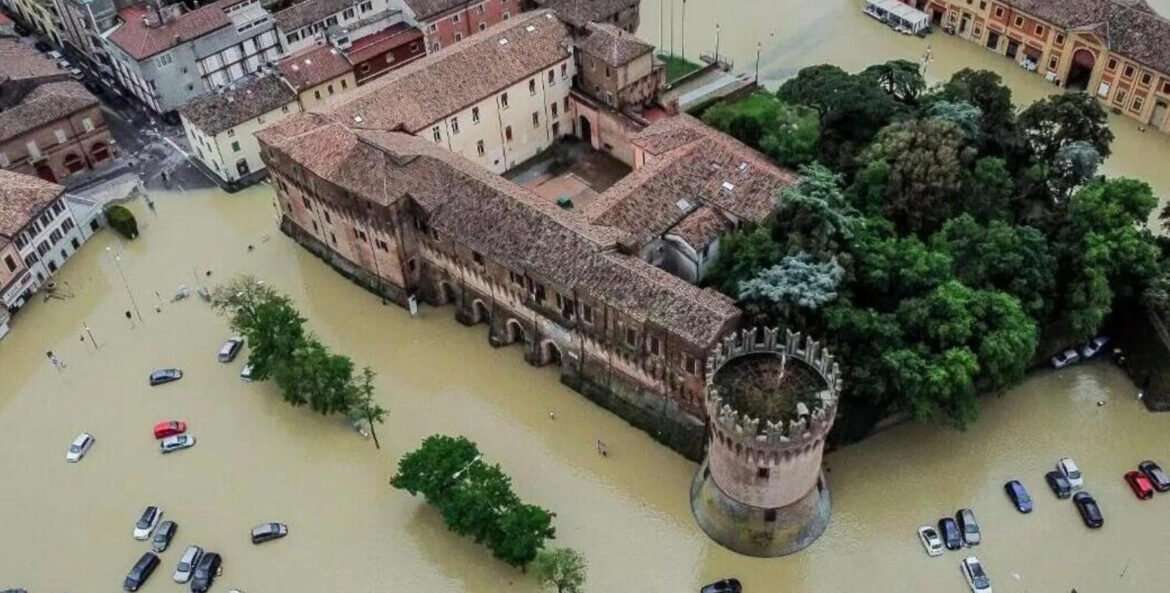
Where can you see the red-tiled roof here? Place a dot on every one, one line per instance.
(374, 45)
(21, 198)
(141, 41)
(313, 66)
(1129, 27)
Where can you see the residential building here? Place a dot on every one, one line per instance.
(498, 99)
(167, 57)
(41, 16)
(1117, 50)
(36, 223)
(50, 126)
(82, 25)
(221, 126)
(7, 27)
(445, 22)
(316, 75)
(618, 68)
(622, 14)
(312, 22)
(384, 51)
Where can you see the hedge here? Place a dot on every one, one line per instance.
(122, 220)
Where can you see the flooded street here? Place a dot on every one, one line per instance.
(794, 35)
(67, 527)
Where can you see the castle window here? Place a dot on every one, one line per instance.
(631, 337)
(532, 86)
(998, 12)
(763, 473)
(478, 257)
(1039, 29)
(1019, 21)
(1147, 78)
(328, 219)
(516, 278)
(1111, 65)
(587, 312)
(1128, 73)
(1060, 38)
(308, 205)
(691, 364)
(655, 346)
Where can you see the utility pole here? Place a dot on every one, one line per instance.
(717, 43)
(683, 30)
(672, 28)
(129, 293)
(757, 63)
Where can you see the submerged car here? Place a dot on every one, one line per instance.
(976, 577)
(1158, 478)
(1066, 358)
(169, 428)
(723, 586)
(176, 443)
(1019, 496)
(205, 572)
(1090, 512)
(230, 349)
(267, 532)
(164, 535)
(146, 523)
(970, 528)
(930, 540)
(140, 572)
(162, 376)
(951, 536)
(1094, 347)
(1140, 484)
(187, 563)
(1068, 468)
(79, 447)
(246, 374)
(1059, 484)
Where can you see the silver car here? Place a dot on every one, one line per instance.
(79, 447)
(187, 563)
(177, 442)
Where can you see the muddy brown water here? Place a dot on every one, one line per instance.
(793, 35)
(68, 527)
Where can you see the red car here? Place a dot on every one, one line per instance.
(163, 430)
(1140, 485)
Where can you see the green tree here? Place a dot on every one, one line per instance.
(1053, 122)
(272, 327)
(562, 568)
(314, 376)
(889, 269)
(742, 254)
(787, 133)
(522, 530)
(924, 185)
(434, 467)
(363, 404)
(902, 79)
(1074, 164)
(986, 91)
(796, 285)
(477, 500)
(989, 190)
(813, 215)
(964, 115)
(869, 392)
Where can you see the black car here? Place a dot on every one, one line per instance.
(165, 376)
(1019, 495)
(952, 538)
(20, 29)
(43, 46)
(266, 532)
(141, 571)
(724, 586)
(970, 528)
(1158, 478)
(14, 591)
(1059, 484)
(164, 535)
(1090, 512)
(205, 572)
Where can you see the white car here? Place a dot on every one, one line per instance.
(55, 55)
(930, 540)
(177, 442)
(1094, 347)
(246, 374)
(147, 522)
(76, 73)
(79, 447)
(976, 577)
(64, 64)
(187, 563)
(1067, 358)
(1068, 468)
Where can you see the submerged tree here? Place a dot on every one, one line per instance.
(363, 405)
(267, 320)
(562, 568)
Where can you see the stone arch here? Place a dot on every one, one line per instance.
(74, 162)
(550, 353)
(100, 151)
(480, 312)
(1080, 71)
(514, 332)
(446, 293)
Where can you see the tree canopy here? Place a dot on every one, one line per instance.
(561, 568)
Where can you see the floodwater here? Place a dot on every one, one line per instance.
(793, 35)
(67, 527)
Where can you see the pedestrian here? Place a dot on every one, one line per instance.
(56, 362)
(601, 449)
(552, 415)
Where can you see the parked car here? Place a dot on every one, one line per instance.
(1158, 478)
(64, 64)
(175, 443)
(1140, 484)
(164, 535)
(976, 577)
(266, 532)
(246, 374)
(930, 540)
(79, 447)
(165, 376)
(1090, 512)
(146, 523)
(187, 563)
(43, 46)
(1094, 347)
(1019, 495)
(1068, 468)
(140, 572)
(205, 572)
(230, 349)
(169, 428)
(952, 537)
(970, 528)
(20, 29)
(76, 73)
(54, 55)
(724, 586)
(1059, 484)
(1066, 358)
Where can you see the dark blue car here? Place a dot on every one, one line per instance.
(1019, 495)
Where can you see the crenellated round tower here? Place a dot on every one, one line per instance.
(770, 403)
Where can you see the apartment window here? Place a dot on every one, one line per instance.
(691, 364)
(552, 77)
(1128, 72)
(436, 133)
(1137, 104)
(1039, 29)
(1052, 63)
(554, 109)
(1147, 78)
(455, 19)
(1060, 38)
(532, 86)
(479, 147)
(328, 219)
(348, 14)
(67, 225)
(458, 37)
(999, 12)
(317, 94)
(535, 119)
(655, 346)
(43, 248)
(164, 60)
(477, 257)
(454, 125)
(293, 37)
(505, 16)
(1019, 21)
(11, 263)
(236, 146)
(504, 100)
(344, 84)
(435, 46)
(366, 7)
(508, 133)
(1165, 91)
(1111, 65)
(433, 27)
(983, 5)
(308, 206)
(564, 70)
(587, 312)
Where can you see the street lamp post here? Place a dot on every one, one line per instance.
(129, 293)
(682, 32)
(91, 338)
(717, 43)
(757, 63)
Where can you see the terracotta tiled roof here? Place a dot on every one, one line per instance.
(313, 66)
(581, 12)
(19, 61)
(1129, 27)
(503, 221)
(215, 112)
(45, 104)
(425, 9)
(443, 83)
(613, 45)
(21, 198)
(308, 12)
(381, 42)
(142, 41)
(702, 226)
(711, 168)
